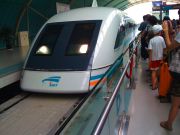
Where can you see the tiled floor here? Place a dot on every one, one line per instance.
(146, 111)
(12, 57)
(11, 62)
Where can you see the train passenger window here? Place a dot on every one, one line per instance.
(80, 39)
(47, 39)
(130, 25)
(120, 37)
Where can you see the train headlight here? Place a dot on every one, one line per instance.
(83, 48)
(43, 50)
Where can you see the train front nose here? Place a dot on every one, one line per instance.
(56, 82)
(61, 57)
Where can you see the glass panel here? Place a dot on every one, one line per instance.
(120, 106)
(88, 116)
(80, 39)
(47, 40)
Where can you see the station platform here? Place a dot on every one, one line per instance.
(146, 112)
(11, 62)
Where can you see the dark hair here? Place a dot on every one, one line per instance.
(166, 18)
(179, 12)
(145, 17)
(152, 20)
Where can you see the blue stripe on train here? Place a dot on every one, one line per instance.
(96, 77)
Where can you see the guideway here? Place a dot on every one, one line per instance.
(38, 114)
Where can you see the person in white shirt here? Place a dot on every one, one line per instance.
(156, 47)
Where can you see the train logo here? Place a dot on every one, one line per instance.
(51, 81)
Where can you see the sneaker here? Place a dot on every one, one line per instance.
(155, 92)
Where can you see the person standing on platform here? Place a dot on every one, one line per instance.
(178, 22)
(152, 20)
(168, 30)
(175, 88)
(155, 48)
(143, 29)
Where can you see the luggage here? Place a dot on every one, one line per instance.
(165, 80)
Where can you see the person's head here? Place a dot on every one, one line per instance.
(157, 29)
(166, 18)
(152, 20)
(145, 17)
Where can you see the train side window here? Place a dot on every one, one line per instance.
(47, 39)
(80, 40)
(120, 37)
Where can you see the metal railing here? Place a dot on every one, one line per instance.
(99, 126)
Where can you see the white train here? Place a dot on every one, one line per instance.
(73, 50)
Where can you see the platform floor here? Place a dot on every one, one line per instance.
(12, 60)
(146, 111)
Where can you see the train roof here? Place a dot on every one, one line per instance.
(88, 13)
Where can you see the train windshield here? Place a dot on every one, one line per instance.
(64, 46)
(80, 39)
(46, 45)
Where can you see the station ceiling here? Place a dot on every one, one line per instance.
(124, 4)
(30, 15)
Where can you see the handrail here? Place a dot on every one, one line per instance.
(97, 130)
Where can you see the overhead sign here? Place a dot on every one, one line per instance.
(166, 7)
(156, 3)
(174, 6)
(156, 8)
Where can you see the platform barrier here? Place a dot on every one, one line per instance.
(105, 112)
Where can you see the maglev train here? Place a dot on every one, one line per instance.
(73, 50)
